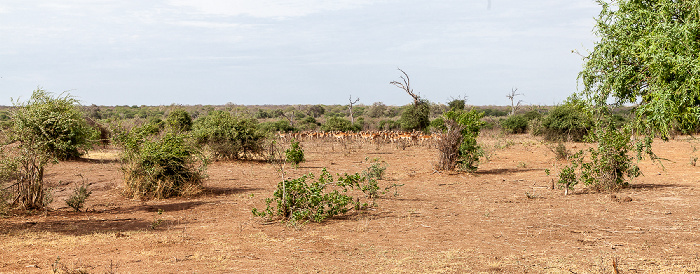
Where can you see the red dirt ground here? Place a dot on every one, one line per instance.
(503, 218)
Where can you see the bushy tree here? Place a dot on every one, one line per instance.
(43, 130)
(648, 55)
(416, 116)
(229, 137)
(179, 120)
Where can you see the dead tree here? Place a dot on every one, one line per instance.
(352, 103)
(513, 105)
(405, 84)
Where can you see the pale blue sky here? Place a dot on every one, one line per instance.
(160, 52)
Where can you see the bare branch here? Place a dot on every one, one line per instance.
(406, 86)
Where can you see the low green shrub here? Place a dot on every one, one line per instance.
(458, 147)
(324, 197)
(77, 199)
(570, 121)
(179, 120)
(295, 154)
(161, 166)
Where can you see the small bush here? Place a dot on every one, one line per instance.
(570, 121)
(179, 120)
(162, 167)
(295, 154)
(339, 124)
(277, 126)
(515, 124)
(389, 125)
(77, 199)
(607, 166)
(229, 137)
(296, 200)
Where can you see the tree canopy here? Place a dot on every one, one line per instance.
(648, 54)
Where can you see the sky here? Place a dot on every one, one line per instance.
(257, 52)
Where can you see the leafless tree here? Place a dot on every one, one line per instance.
(405, 84)
(513, 105)
(352, 103)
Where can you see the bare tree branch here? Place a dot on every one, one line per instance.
(511, 96)
(406, 86)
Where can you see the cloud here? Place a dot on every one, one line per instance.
(269, 8)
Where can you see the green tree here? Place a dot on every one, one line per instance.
(647, 54)
(44, 129)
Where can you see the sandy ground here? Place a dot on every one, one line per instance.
(503, 218)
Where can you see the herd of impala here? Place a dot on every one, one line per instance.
(415, 137)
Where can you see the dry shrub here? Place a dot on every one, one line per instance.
(448, 146)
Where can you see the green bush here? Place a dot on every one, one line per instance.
(179, 120)
(339, 124)
(515, 124)
(229, 137)
(295, 154)
(296, 200)
(161, 167)
(416, 117)
(45, 129)
(277, 126)
(458, 147)
(389, 125)
(570, 121)
(77, 199)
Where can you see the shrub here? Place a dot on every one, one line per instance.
(456, 104)
(179, 120)
(515, 124)
(339, 124)
(607, 166)
(162, 167)
(77, 199)
(229, 137)
(44, 129)
(295, 154)
(296, 200)
(277, 126)
(416, 117)
(570, 121)
(389, 125)
(458, 147)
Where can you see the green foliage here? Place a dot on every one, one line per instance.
(229, 137)
(295, 154)
(389, 125)
(45, 129)
(456, 104)
(316, 111)
(179, 120)
(570, 121)
(77, 199)
(459, 148)
(277, 126)
(416, 116)
(296, 200)
(53, 125)
(438, 124)
(495, 112)
(519, 123)
(161, 167)
(515, 124)
(648, 55)
(339, 124)
(608, 166)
